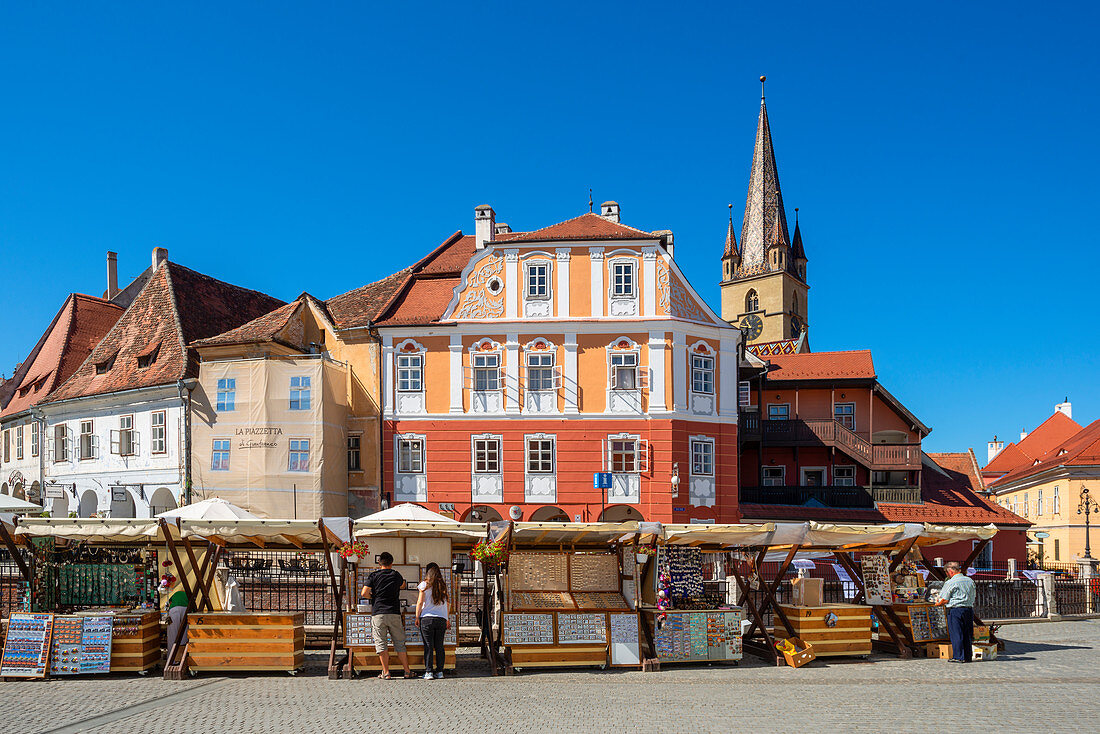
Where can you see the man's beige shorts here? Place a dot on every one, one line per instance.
(385, 626)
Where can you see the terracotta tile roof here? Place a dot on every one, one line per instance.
(587, 226)
(1083, 449)
(961, 462)
(263, 329)
(361, 306)
(1047, 436)
(177, 306)
(822, 366)
(450, 258)
(72, 335)
(1009, 458)
(422, 303)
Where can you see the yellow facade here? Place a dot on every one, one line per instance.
(1051, 504)
(781, 300)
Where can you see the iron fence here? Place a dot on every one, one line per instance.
(1016, 599)
(13, 588)
(284, 583)
(1071, 597)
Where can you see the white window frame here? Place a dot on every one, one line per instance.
(410, 375)
(226, 394)
(638, 450)
(1027, 507)
(844, 481)
(548, 360)
(86, 444)
(535, 291)
(703, 373)
(7, 445)
(60, 439)
(802, 475)
(553, 451)
(222, 451)
(697, 442)
(415, 460)
(301, 395)
(623, 368)
(786, 413)
(124, 441)
(303, 447)
(487, 369)
(486, 455)
(619, 285)
(36, 439)
(770, 481)
(1039, 505)
(848, 420)
(1057, 509)
(158, 437)
(19, 443)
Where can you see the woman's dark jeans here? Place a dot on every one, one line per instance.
(432, 630)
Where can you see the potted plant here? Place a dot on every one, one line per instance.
(353, 551)
(491, 554)
(642, 553)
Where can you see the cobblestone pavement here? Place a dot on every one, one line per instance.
(1048, 679)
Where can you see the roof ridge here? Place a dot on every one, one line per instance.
(174, 264)
(176, 315)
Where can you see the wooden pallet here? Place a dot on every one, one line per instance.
(365, 659)
(851, 635)
(246, 642)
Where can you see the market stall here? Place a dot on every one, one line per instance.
(93, 596)
(413, 544)
(567, 596)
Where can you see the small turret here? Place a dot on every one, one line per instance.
(798, 253)
(731, 256)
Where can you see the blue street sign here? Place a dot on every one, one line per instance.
(601, 480)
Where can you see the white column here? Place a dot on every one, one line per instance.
(513, 289)
(569, 374)
(679, 371)
(595, 258)
(727, 378)
(511, 374)
(562, 255)
(649, 281)
(458, 377)
(388, 407)
(657, 371)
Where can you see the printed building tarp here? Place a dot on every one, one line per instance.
(269, 435)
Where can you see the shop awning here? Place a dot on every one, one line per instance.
(528, 534)
(396, 529)
(102, 530)
(726, 536)
(940, 534)
(257, 533)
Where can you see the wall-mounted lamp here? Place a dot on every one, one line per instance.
(675, 479)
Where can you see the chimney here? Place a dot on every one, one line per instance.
(502, 228)
(1065, 407)
(160, 254)
(995, 447)
(1023, 435)
(609, 210)
(666, 240)
(484, 225)
(112, 275)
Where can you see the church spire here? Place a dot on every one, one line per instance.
(731, 240)
(764, 202)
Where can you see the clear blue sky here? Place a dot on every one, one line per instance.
(944, 159)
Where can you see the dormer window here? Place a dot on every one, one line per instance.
(147, 359)
(102, 368)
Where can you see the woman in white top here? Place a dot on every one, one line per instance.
(433, 618)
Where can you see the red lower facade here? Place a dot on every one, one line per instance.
(580, 452)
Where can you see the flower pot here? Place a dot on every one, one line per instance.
(641, 558)
(352, 560)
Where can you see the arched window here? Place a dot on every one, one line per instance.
(794, 305)
(752, 301)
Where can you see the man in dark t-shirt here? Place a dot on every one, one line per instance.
(383, 588)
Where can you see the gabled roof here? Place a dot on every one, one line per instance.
(1083, 449)
(1047, 436)
(72, 335)
(176, 307)
(266, 328)
(360, 307)
(587, 226)
(964, 463)
(1009, 458)
(853, 365)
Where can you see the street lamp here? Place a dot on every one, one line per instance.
(1087, 506)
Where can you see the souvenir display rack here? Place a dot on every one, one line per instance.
(559, 608)
(359, 640)
(81, 644)
(246, 642)
(27, 646)
(833, 629)
(923, 622)
(693, 636)
(135, 643)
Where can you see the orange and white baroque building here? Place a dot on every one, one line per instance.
(517, 365)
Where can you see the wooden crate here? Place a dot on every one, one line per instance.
(140, 652)
(851, 635)
(249, 642)
(556, 656)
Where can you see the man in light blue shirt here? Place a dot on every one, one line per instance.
(958, 595)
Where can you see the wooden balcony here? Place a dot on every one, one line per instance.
(852, 498)
(875, 456)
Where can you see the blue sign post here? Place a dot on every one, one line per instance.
(601, 480)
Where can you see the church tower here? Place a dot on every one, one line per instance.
(764, 289)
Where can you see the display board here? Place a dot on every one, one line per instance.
(357, 631)
(538, 572)
(27, 645)
(689, 636)
(918, 624)
(876, 580)
(594, 572)
(528, 629)
(541, 600)
(81, 644)
(581, 628)
(600, 600)
(412, 576)
(625, 649)
(684, 567)
(937, 623)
